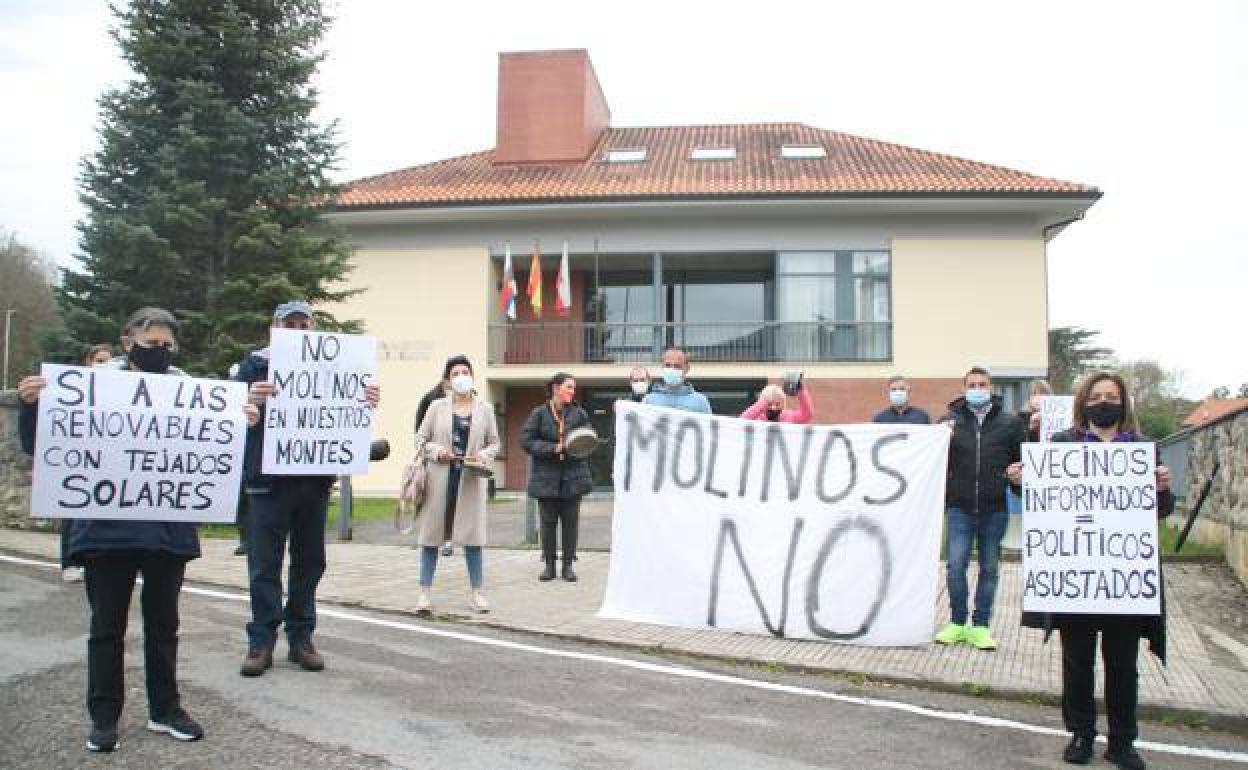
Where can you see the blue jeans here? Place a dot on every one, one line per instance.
(295, 509)
(985, 530)
(429, 563)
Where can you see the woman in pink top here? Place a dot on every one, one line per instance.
(770, 406)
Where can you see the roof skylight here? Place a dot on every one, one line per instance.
(626, 155)
(799, 151)
(713, 153)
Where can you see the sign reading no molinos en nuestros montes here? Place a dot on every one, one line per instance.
(319, 422)
(816, 532)
(114, 444)
(1090, 528)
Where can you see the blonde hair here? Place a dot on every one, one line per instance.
(772, 393)
(1039, 388)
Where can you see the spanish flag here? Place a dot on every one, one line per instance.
(535, 282)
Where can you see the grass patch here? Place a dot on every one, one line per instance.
(1170, 536)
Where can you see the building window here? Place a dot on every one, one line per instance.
(833, 306)
(713, 153)
(803, 151)
(627, 155)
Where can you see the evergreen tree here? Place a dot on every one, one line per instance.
(205, 194)
(1072, 354)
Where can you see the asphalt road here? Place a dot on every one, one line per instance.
(399, 692)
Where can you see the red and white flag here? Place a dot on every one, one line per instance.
(563, 285)
(507, 295)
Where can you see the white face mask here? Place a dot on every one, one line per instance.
(640, 387)
(462, 384)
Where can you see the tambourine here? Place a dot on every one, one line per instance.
(581, 442)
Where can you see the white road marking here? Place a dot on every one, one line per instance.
(690, 673)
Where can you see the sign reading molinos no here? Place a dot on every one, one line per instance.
(815, 532)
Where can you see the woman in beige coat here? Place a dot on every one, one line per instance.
(457, 429)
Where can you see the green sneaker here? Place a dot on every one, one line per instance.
(951, 634)
(979, 638)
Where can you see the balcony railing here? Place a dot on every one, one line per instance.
(559, 342)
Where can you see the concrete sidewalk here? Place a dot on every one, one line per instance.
(1206, 680)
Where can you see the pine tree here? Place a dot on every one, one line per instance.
(205, 194)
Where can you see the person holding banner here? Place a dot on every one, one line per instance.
(899, 410)
(1103, 413)
(281, 508)
(771, 406)
(985, 441)
(557, 479)
(458, 439)
(639, 384)
(71, 571)
(676, 392)
(1030, 413)
(116, 552)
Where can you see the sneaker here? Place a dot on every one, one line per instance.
(103, 738)
(954, 633)
(72, 574)
(306, 656)
(424, 605)
(980, 638)
(257, 662)
(448, 548)
(1079, 750)
(178, 724)
(241, 550)
(479, 603)
(1126, 758)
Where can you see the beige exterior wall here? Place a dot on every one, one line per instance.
(423, 306)
(962, 302)
(956, 302)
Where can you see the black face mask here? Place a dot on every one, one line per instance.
(153, 359)
(1104, 414)
(773, 414)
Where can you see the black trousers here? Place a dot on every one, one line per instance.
(1119, 651)
(110, 582)
(566, 514)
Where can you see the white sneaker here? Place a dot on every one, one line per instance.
(479, 603)
(72, 574)
(424, 606)
(448, 548)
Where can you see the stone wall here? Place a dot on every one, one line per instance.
(14, 471)
(1224, 518)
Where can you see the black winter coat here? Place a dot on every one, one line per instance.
(979, 455)
(1150, 627)
(551, 475)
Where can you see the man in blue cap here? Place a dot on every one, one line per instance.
(281, 508)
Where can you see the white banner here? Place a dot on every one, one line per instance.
(814, 532)
(1090, 528)
(319, 422)
(114, 444)
(1055, 415)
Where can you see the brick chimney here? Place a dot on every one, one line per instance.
(550, 107)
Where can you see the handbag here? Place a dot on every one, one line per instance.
(412, 487)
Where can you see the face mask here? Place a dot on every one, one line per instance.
(1104, 414)
(773, 414)
(153, 359)
(462, 384)
(978, 396)
(639, 387)
(672, 376)
(898, 398)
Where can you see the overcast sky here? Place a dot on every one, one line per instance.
(1146, 100)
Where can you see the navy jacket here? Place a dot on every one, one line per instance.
(911, 415)
(255, 368)
(91, 537)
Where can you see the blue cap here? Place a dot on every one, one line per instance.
(295, 307)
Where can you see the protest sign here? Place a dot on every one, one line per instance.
(319, 422)
(113, 444)
(1090, 528)
(800, 531)
(1055, 415)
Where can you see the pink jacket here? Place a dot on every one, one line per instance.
(802, 415)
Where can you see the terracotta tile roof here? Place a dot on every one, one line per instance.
(853, 166)
(1214, 409)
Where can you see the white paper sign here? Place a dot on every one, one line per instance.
(1055, 415)
(1090, 528)
(815, 532)
(114, 444)
(319, 422)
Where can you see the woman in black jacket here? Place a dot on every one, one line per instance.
(556, 478)
(1103, 412)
